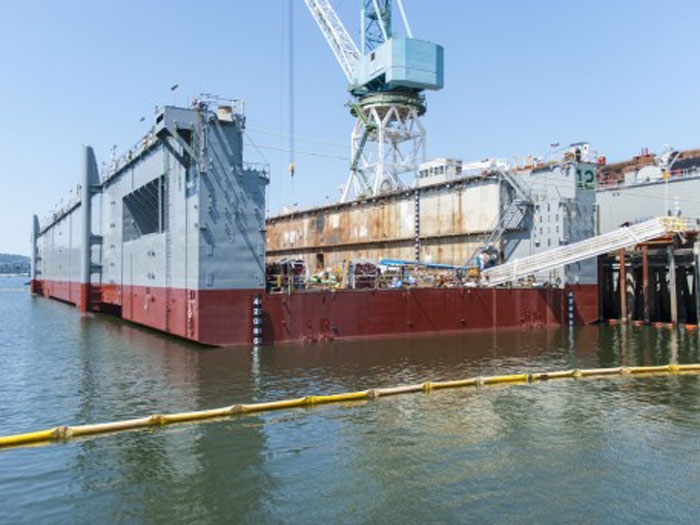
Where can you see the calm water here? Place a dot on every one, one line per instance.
(595, 451)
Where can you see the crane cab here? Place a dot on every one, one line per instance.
(407, 63)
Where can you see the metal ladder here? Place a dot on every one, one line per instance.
(623, 237)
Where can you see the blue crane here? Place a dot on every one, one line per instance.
(386, 77)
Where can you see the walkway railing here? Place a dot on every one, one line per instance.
(623, 237)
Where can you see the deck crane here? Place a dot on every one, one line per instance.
(386, 78)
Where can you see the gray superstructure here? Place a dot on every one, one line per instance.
(563, 203)
(193, 191)
(177, 217)
(679, 194)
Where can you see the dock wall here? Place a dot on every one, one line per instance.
(448, 225)
(170, 237)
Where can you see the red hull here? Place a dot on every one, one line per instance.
(368, 313)
(225, 317)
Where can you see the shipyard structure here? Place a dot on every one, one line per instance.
(507, 212)
(173, 236)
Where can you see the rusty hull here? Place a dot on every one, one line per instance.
(452, 217)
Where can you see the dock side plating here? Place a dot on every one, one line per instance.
(173, 236)
(174, 230)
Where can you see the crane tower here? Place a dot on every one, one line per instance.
(386, 77)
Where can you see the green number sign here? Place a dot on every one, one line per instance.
(585, 178)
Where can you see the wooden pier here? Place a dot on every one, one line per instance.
(654, 282)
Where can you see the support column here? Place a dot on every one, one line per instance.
(654, 298)
(673, 288)
(89, 179)
(33, 285)
(623, 287)
(684, 293)
(645, 283)
(602, 287)
(696, 280)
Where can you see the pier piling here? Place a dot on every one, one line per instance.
(696, 280)
(623, 287)
(645, 283)
(657, 282)
(672, 284)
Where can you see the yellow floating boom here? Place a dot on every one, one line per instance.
(64, 433)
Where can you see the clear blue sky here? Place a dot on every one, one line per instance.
(519, 76)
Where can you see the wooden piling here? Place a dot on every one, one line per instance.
(673, 287)
(696, 280)
(623, 288)
(645, 283)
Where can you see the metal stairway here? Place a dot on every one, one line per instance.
(509, 218)
(522, 192)
(579, 251)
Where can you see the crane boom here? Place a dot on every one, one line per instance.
(342, 45)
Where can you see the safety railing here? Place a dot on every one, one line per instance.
(672, 174)
(621, 238)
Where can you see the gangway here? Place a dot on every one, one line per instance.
(623, 237)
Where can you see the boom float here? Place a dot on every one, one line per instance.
(65, 432)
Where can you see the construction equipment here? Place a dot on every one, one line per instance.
(386, 76)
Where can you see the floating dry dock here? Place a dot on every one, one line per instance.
(173, 236)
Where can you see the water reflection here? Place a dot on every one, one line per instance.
(524, 451)
(151, 473)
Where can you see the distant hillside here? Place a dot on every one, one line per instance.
(11, 263)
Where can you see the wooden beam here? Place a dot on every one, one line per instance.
(623, 287)
(645, 282)
(672, 284)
